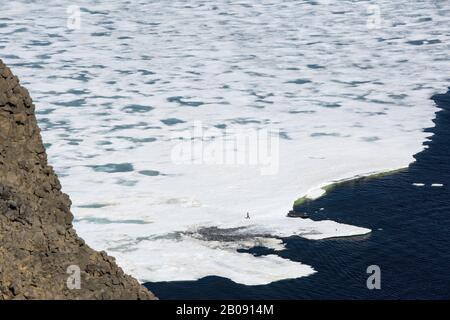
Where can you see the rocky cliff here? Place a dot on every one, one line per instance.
(41, 255)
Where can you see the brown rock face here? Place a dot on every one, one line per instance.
(37, 241)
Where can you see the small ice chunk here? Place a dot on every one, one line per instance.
(437, 185)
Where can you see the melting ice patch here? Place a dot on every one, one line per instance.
(348, 97)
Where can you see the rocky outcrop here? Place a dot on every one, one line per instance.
(40, 252)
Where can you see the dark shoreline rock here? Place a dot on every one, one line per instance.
(37, 240)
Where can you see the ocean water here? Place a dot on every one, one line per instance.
(340, 89)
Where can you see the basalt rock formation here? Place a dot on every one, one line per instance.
(41, 255)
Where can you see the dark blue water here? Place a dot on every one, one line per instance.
(410, 241)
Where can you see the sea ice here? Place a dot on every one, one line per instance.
(347, 97)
